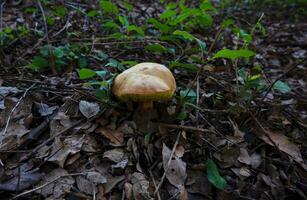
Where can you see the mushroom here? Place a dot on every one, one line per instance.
(144, 83)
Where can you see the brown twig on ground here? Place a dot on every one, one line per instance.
(44, 185)
(155, 184)
(183, 127)
(11, 113)
(168, 163)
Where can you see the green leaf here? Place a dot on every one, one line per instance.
(187, 66)
(184, 34)
(227, 22)
(92, 13)
(114, 63)
(138, 30)
(282, 87)
(102, 56)
(60, 11)
(111, 25)
(108, 7)
(58, 52)
(38, 63)
(50, 20)
(184, 15)
(162, 27)
(188, 95)
(156, 48)
(182, 116)
(214, 176)
(123, 20)
(168, 14)
(233, 54)
(101, 73)
(129, 63)
(85, 73)
(82, 62)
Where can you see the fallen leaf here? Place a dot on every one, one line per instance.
(59, 187)
(85, 185)
(244, 157)
(4, 91)
(116, 155)
(214, 176)
(255, 160)
(62, 149)
(283, 143)
(89, 109)
(176, 171)
(140, 186)
(128, 191)
(22, 181)
(115, 136)
(227, 157)
(112, 182)
(45, 110)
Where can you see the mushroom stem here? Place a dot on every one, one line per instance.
(146, 105)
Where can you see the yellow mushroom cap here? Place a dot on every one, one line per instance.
(144, 82)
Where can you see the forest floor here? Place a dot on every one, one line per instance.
(235, 129)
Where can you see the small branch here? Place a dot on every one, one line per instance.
(11, 113)
(155, 184)
(44, 185)
(183, 127)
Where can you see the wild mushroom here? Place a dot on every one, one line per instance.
(144, 83)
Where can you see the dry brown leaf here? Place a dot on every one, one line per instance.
(140, 186)
(115, 136)
(283, 143)
(244, 157)
(58, 188)
(176, 171)
(116, 155)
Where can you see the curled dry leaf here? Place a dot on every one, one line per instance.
(89, 109)
(176, 171)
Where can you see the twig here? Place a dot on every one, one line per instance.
(183, 127)
(155, 184)
(44, 185)
(11, 113)
(168, 163)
